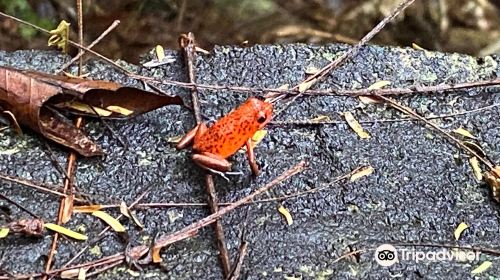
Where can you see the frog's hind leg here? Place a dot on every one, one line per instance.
(211, 161)
(251, 158)
(188, 139)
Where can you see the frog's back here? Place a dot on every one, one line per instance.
(229, 133)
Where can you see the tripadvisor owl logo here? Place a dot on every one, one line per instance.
(386, 255)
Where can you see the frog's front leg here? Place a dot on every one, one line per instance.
(188, 139)
(251, 158)
(211, 161)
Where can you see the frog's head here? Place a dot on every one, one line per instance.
(263, 111)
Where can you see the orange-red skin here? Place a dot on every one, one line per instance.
(231, 132)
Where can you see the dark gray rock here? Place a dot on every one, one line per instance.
(419, 192)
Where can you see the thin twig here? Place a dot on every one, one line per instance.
(39, 186)
(19, 206)
(70, 169)
(193, 228)
(101, 234)
(258, 90)
(410, 112)
(310, 122)
(313, 79)
(265, 200)
(95, 42)
(242, 252)
(188, 46)
(348, 255)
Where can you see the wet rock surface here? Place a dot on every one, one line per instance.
(422, 187)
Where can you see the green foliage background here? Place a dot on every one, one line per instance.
(22, 9)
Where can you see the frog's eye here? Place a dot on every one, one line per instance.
(261, 118)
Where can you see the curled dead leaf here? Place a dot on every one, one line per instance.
(59, 37)
(32, 97)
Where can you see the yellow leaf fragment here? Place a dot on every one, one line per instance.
(460, 228)
(362, 173)
(283, 211)
(156, 255)
(70, 273)
(200, 50)
(311, 70)
(60, 36)
(119, 110)
(82, 274)
(124, 209)
(256, 139)
(417, 47)
(87, 208)
(319, 119)
(67, 74)
(160, 53)
(379, 85)
(376, 85)
(464, 132)
(108, 219)
(174, 139)
(354, 124)
(4, 232)
(474, 163)
(482, 267)
(306, 85)
(65, 231)
(86, 108)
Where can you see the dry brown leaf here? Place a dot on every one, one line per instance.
(354, 124)
(476, 168)
(362, 173)
(67, 208)
(125, 210)
(156, 255)
(492, 178)
(27, 93)
(477, 148)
